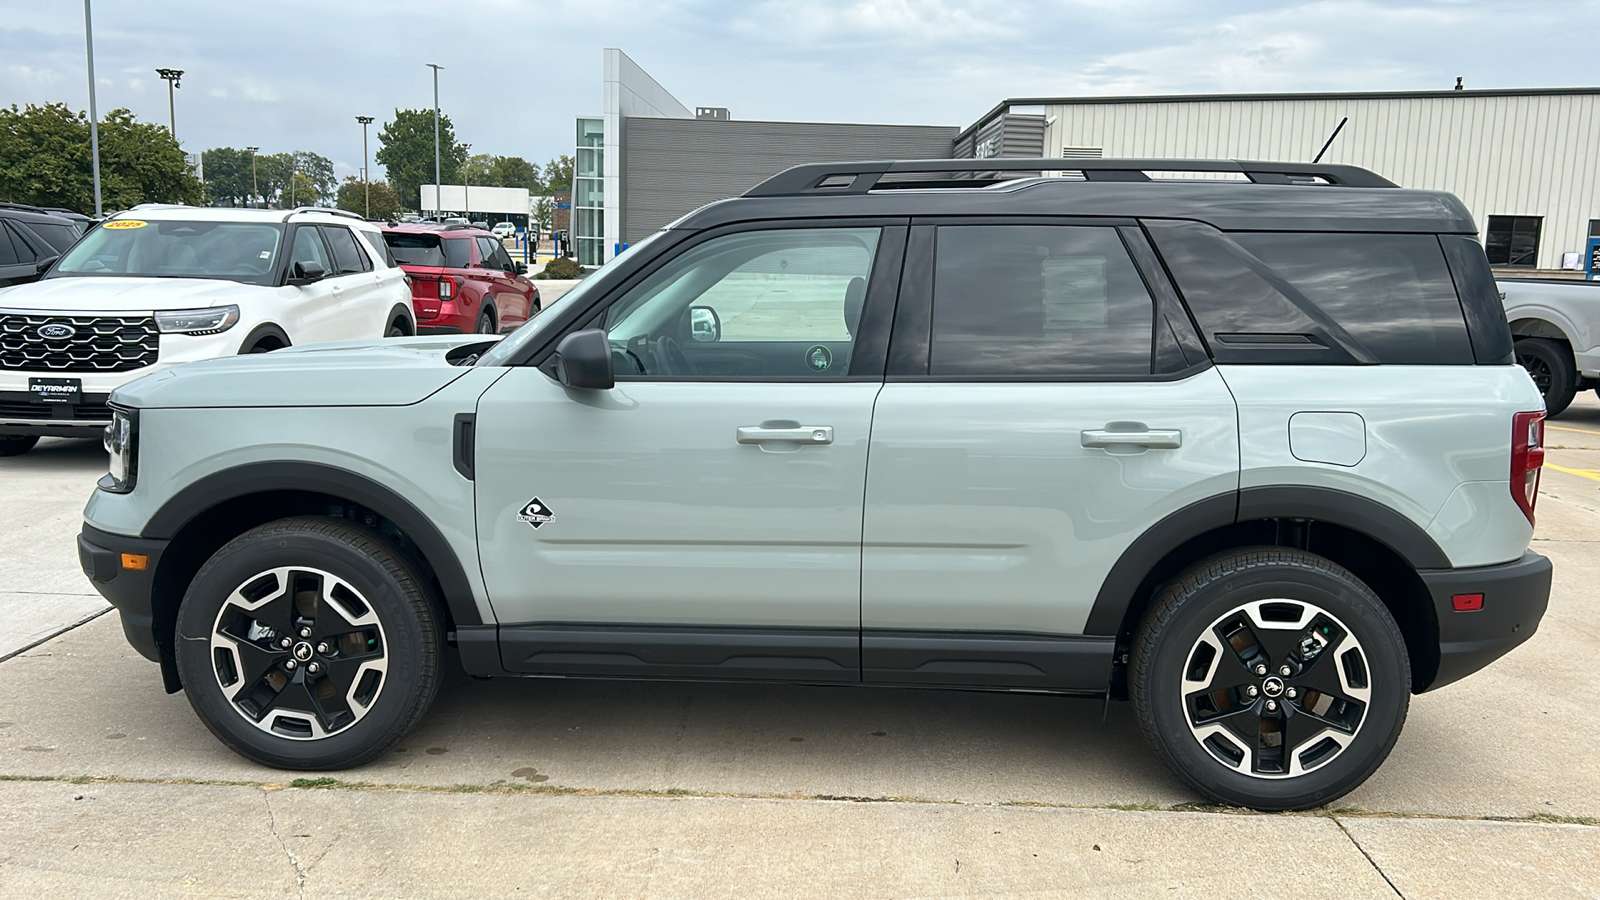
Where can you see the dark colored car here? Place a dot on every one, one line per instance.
(31, 239)
(462, 279)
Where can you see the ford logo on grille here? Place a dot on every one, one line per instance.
(56, 331)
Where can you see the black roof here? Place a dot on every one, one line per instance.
(33, 213)
(1277, 196)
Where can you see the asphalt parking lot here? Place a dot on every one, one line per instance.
(112, 788)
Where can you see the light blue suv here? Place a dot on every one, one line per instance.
(1252, 452)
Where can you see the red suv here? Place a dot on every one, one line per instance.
(462, 279)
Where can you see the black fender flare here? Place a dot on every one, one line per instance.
(402, 311)
(1353, 511)
(262, 331)
(220, 487)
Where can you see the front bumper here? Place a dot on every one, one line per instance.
(130, 590)
(1515, 596)
(20, 415)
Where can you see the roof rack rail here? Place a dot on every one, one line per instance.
(323, 209)
(861, 177)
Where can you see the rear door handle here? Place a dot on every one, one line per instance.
(1155, 439)
(801, 434)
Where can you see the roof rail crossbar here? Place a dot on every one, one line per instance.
(323, 209)
(862, 177)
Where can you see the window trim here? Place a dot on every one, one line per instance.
(866, 360)
(912, 343)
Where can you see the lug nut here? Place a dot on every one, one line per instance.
(285, 643)
(322, 647)
(1292, 693)
(289, 664)
(1261, 670)
(1272, 706)
(1251, 690)
(305, 632)
(313, 668)
(1284, 671)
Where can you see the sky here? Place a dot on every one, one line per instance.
(293, 74)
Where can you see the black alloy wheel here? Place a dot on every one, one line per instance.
(308, 643)
(1550, 368)
(1270, 678)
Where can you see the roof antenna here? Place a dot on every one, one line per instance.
(1458, 84)
(1336, 130)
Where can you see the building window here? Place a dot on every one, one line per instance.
(1513, 241)
(1594, 228)
(588, 194)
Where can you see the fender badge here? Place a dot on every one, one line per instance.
(535, 513)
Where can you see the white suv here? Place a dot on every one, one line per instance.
(161, 285)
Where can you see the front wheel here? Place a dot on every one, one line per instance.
(17, 444)
(1270, 678)
(308, 643)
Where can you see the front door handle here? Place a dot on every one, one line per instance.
(799, 434)
(1155, 439)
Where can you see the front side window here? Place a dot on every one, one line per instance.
(1038, 300)
(1513, 241)
(232, 251)
(762, 303)
(308, 248)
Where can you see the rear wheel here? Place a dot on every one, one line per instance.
(1270, 678)
(485, 322)
(308, 643)
(17, 444)
(1549, 363)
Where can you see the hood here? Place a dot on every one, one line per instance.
(95, 293)
(380, 372)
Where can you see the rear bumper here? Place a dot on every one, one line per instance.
(1515, 596)
(100, 553)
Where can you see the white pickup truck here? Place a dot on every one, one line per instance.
(1556, 325)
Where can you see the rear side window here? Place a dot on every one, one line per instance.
(457, 252)
(12, 254)
(60, 237)
(1391, 292)
(346, 255)
(1037, 300)
(380, 249)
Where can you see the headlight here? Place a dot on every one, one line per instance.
(121, 443)
(213, 320)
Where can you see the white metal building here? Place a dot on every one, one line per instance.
(1526, 162)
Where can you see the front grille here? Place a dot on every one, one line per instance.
(95, 344)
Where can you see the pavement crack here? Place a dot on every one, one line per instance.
(299, 871)
(1370, 861)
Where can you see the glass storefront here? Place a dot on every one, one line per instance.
(588, 194)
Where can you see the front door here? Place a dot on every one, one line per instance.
(1049, 417)
(693, 521)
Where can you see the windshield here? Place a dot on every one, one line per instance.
(231, 251)
(509, 347)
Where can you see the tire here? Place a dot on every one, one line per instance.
(17, 444)
(281, 706)
(1549, 363)
(485, 323)
(395, 331)
(1191, 687)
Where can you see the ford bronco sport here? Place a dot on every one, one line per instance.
(1252, 452)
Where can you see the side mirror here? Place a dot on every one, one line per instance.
(307, 272)
(45, 263)
(583, 360)
(521, 268)
(704, 326)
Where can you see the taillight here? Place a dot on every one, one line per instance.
(1527, 458)
(447, 288)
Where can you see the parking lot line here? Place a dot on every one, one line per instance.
(1578, 430)
(1591, 474)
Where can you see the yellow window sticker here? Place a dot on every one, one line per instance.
(125, 223)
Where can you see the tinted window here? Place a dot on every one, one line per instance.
(1513, 241)
(61, 237)
(1391, 292)
(486, 248)
(415, 249)
(235, 251)
(380, 249)
(457, 252)
(8, 252)
(345, 252)
(1029, 300)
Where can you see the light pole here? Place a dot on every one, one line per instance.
(366, 179)
(171, 76)
(94, 119)
(467, 213)
(435, 69)
(254, 191)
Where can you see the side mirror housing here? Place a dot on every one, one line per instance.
(307, 272)
(522, 268)
(704, 326)
(44, 264)
(583, 361)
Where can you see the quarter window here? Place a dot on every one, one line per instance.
(1038, 300)
(1513, 241)
(9, 252)
(457, 252)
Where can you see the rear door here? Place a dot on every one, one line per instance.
(362, 310)
(1046, 403)
(511, 303)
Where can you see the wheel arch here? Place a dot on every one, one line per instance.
(1377, 544)
(403, 314)
(201, 518)
(1542, 325)
(265, 331)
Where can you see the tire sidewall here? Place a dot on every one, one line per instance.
(409, 640)
(1167, 651)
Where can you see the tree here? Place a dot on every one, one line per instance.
(45, 160)
(319, 169)
(476, 170)
(543, 209)
(405, 150)
(297, 190)
(384, 203)
(558, 174)
(515, 172)
(228, 175)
